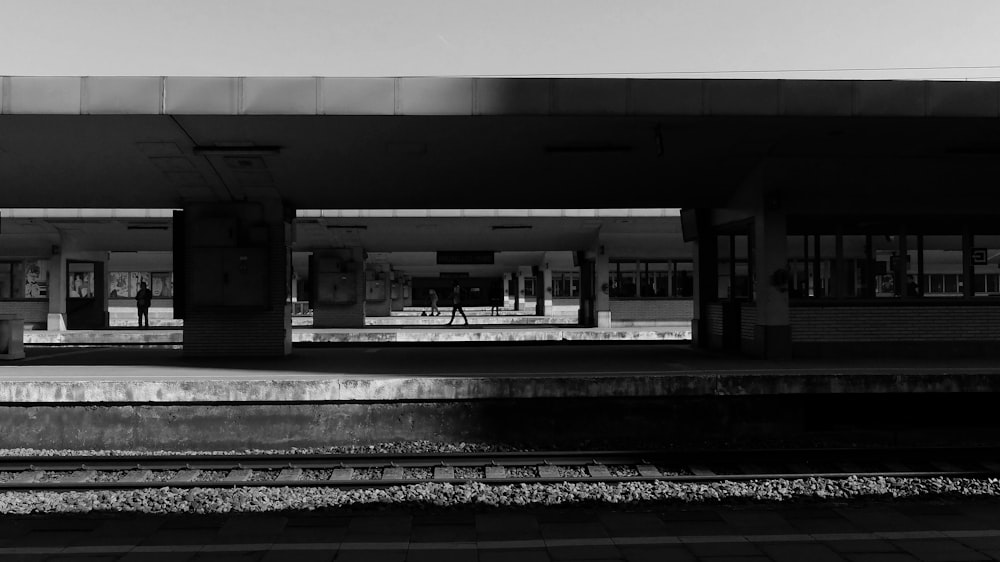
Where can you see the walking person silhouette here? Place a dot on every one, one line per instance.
(456, 304)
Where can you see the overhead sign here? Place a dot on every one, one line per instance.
(465, 258)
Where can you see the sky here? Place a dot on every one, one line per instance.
(842, 39)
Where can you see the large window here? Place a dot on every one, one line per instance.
(24, 279)
(529, 286)
(126, 284)
(635, 278)
(565, 284)
(886, 264)
(734, 271)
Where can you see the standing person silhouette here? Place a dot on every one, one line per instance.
(456, 303)
(143, 298)
(434, 303)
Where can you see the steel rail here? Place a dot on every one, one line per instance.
(983, 459)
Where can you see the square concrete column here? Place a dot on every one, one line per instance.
(56, 319)
(378, 300)
(705, 265)
(543, 291)
(519, 300)
(772, 334)
(396, 291)
(602, 269)
(338, 288)
(508, 299)
(236, 274)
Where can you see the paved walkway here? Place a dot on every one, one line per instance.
(904, 532)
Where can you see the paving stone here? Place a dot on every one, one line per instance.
(513, 555)
(800, 553)
(443, 533)
(860, 546)
(706, 549)
(932, 550)
(573, 531)
(633, 524)
(881, 557)
(657, 554)
(757, 522)
(450, 555)
(587, 552)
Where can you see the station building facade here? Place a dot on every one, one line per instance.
(819, 216)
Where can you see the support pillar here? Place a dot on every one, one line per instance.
(543, 291)
(602, 305)
(772, 334)
(705, 265)
(56, 320)
(237, 271)
(508, 298)
(338, 288)
(378, 301)
(519, 301)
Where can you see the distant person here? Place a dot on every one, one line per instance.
(143, 298)
(5, 335)
(912, 287)
(456, 303)
(496, 301)
(434, 302)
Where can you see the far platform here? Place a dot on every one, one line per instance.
(131, 375)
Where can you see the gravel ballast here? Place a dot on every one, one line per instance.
(270, 499)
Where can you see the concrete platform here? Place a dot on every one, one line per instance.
(560, 395)
(358, 374)
(478, 331)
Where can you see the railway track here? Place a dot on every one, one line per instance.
(384, 470)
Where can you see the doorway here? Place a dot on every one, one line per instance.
(85, 295)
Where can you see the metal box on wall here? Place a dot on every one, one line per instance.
(375, 286)
(231, 277)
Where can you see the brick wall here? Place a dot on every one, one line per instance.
(225, 332)
(748, 321)
(895, 323)
(33, 312)
(680, 310)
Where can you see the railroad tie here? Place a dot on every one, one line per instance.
(548, 471)
(496, 472)
(946, 466)
(289, 475)
(29, 477)
(136, 476)
(896, 466)
(342, 474)
(699, 470)
(186, 475)
(750, 468)
(598, 471)
(648, 471)
(444, 472)
(991, 466)
(238, 475)
(79, 476)
(800, 468)
(392, 473)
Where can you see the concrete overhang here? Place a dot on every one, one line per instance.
(441, 96)
(494, 143)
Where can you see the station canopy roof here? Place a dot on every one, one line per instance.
(494, 143)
